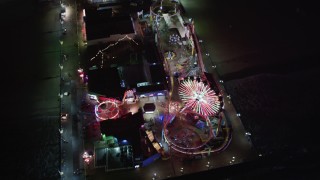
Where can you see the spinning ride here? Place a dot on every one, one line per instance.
(107, 109)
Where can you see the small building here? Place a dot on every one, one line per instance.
(149, 108)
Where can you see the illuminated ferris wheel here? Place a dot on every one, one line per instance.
(199, 97)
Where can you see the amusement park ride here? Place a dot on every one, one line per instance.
(110, 108)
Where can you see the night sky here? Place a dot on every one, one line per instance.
(267, 52)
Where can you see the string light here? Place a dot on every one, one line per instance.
(110, 45)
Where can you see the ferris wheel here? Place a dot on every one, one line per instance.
(199, 97)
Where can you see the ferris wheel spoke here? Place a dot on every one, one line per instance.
(199, 97)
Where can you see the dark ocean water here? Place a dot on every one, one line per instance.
(29, 143)
(247, 34)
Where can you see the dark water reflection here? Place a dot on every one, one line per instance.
(245, 34)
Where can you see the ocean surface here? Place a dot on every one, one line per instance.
(243, 35)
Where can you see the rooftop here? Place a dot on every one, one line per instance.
(102, 23)
(106, 82)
